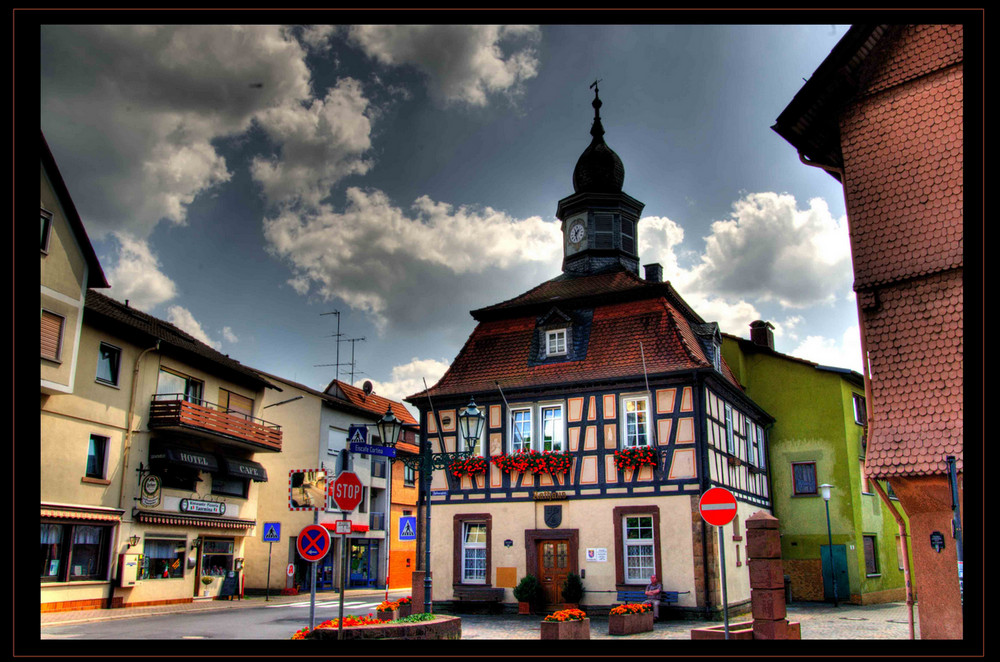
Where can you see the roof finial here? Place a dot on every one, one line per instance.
(596, 130)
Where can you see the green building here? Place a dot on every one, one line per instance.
(819, 438)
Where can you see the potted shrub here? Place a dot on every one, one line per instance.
(630, 619)
(528, 594)
(566, 624)
(572, 590)
(206, 581)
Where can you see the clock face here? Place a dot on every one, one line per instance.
(576, 233)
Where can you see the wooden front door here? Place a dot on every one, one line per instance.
(554, 563)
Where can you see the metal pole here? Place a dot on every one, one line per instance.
(312, 588)
(267, 589)
(426, 469)
(725, 596)
(833, 570)
(343, 581)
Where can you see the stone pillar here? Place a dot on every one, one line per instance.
(417, 592)
(767, 579)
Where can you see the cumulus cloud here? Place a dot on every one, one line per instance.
(228, 335)
(401, 264)
(136, 275)
(844, 352)
(463, 64)
(407, 379)
(320, 144)
(182, 318)
(134, 110)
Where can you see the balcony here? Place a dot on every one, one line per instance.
(172, 411)
(376, 522)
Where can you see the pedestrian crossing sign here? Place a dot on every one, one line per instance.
(407, 528)
(272, 532)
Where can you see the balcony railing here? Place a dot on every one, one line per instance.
(175, 410)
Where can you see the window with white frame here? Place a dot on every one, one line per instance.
(730, 432)
(638, 553)
(635, 421)
(474, 553)
(752, 444)
(760, 450)
(520, 430)
(555, 342)
(860, 413)
(552, 428)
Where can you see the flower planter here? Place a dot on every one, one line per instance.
(524, 608)
(405, 610)
(622, 624)
(387, 614)
(576, 629)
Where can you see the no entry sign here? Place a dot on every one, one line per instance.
(313, 542)
(717, 506)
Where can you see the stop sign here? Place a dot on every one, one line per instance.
(717, 506)
(345, 490)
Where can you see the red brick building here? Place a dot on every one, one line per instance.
(883, 114)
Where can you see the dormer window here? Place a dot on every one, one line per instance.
(555, 342)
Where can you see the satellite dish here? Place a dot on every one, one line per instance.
(367, 387)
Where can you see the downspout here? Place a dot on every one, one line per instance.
(128, 421)
(905, 539)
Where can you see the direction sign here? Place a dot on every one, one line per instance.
(407, 528)
(345, 490)
(373, 449)
(717, 506)
(272, 532)
(313, 542)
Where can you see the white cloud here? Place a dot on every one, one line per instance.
(394, 265)
(134, 110)
(845, 353)
(463, 63)
(183, 319)
(320, 144)
(136, 275)
(228, 335)
(407, 379)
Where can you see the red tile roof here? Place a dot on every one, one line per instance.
(370, 402)
(632, 320)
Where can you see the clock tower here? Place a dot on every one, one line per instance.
(599, 221)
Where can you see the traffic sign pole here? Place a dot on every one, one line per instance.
(343, 582)
(267, 591)
(718, 508)
(312, 587)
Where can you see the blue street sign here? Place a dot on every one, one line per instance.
(272, 532)
(372, 449)
(407, 528)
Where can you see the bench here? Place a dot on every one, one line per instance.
(478, 596)
(666, 597)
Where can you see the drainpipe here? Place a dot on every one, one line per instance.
(128, 421)
(905, 539)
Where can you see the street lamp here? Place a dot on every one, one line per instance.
(470, 426)
(824, 490)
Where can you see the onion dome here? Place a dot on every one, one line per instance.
(598, 170)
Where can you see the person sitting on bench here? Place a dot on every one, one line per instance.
(653, 596)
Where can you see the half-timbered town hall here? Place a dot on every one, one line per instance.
(609, 411)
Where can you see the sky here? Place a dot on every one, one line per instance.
(259, 185)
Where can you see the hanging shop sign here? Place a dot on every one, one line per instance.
(150, 493)
(202, 507)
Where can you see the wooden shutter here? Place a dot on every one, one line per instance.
(52, 326)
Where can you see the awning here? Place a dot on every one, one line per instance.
(184, 457)
(56, 511)
(244, 469)
(144, 517)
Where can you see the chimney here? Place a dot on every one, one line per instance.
(654, 273)
(760, 333)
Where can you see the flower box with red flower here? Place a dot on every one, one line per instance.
(634, 457)
(471, 466)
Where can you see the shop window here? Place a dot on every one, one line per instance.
(97, 452)
(163, 558)
(216, 557)
(635, 423)
(108, 362)
(804, 478)
(637, 534)
(74, 552)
